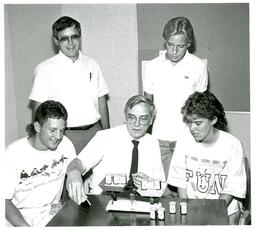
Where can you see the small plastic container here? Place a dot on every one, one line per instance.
(172, 207)
(150, 184)
(123, 179)
(144, 185)
(161, 213)
(183, 208)
(153, 213)
(116, 179)
(108, 179)
(157, 184)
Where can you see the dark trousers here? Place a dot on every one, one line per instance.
(80, 138)
(167, 149)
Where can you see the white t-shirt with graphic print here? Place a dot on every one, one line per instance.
(34, 179)
(209, 170)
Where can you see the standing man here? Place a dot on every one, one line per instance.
(111, 151)
(76, 81)
(36, 168)
(170, 79)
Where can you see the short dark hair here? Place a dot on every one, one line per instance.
(137, 99)
(46, 110)
(64, 23)
(205, 105)
(179, 25)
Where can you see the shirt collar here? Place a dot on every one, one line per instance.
(162, 55)
(67, 59)
(131, 138)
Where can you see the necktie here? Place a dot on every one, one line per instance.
(134, 164)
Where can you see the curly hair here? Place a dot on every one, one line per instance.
(46, 110)
(205, 105)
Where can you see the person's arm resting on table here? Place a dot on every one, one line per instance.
(74, 181)
(13, 214)
(183, 195)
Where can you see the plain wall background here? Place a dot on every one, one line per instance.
(27, 42)
(221, 36)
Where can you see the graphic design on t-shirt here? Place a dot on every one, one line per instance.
(40, 175)
(204, 176)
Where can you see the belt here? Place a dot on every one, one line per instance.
(84, 127)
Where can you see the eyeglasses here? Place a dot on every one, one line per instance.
(143, 120)
(66, 39)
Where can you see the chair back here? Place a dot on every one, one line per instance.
(247, 200)
(245, 217)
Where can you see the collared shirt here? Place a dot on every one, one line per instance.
(77, 85)
(171, 85)
(207, 171)
(110, 151)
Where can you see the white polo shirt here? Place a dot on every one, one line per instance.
(110, 151)
(171, 85)
(77, 85)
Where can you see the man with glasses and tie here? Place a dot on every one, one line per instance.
(76, 81)
(125, 149)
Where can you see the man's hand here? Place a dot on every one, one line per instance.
(75, 186)
(138, 178)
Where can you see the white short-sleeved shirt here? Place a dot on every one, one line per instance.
(77, 85)
(110, 151)
(207, 171)
(34, 179)
(171, 85)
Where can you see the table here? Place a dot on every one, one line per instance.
(199, 212)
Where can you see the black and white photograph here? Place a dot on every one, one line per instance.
(128, 114)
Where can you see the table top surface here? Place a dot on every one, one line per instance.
(199, 212)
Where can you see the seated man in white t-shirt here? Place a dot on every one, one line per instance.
(36, 167)
(208, 163)
(110, 151)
